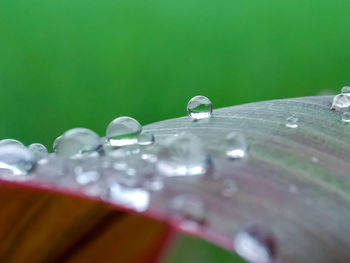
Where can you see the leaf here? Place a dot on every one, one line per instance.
(293, 181)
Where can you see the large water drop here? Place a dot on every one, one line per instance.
(15, 161)
(77, 143)
(183, 155)
(123, 131)
(199, 107)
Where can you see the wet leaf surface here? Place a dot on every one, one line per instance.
(293, 182)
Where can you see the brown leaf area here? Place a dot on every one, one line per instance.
(39, 226)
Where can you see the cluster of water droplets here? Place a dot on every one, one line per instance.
(129, 165)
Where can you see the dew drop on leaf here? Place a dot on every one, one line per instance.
(77, 143)
(236, 145)
(38, 150)
(199, 107)
(340, 101)
(145, 138)
(11, 142)
(183, 155)
(255, 244)
(15, 161)
(292, 122)
(346, 117)
(123, 131)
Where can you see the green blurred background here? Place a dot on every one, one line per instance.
(66, 64)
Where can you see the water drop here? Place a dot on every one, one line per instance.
(84, 177)
(346, 117)
(255, 245)
(56, 142)
(15, 161)
(183, 155)
(77, 143)
(236, 145)
(145, 138)
(134, 198)
(14, 142)
(38, 150)
(292, 122)
(345, 91)
(340, 101)
(123, 131)
(188, 207)
(199, 107)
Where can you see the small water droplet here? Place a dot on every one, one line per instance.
(236, 145)
(183, 155)
(340, 101)
(15, 161)
(189, 208)
(84, 177)
(345, 91)
(14, 142)
(146, 138)
(38, 150)
(346, 117)
(255, 245)
(134, 198)
(292, 122)
(199, 107)
(123, 131)
(77, 143)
